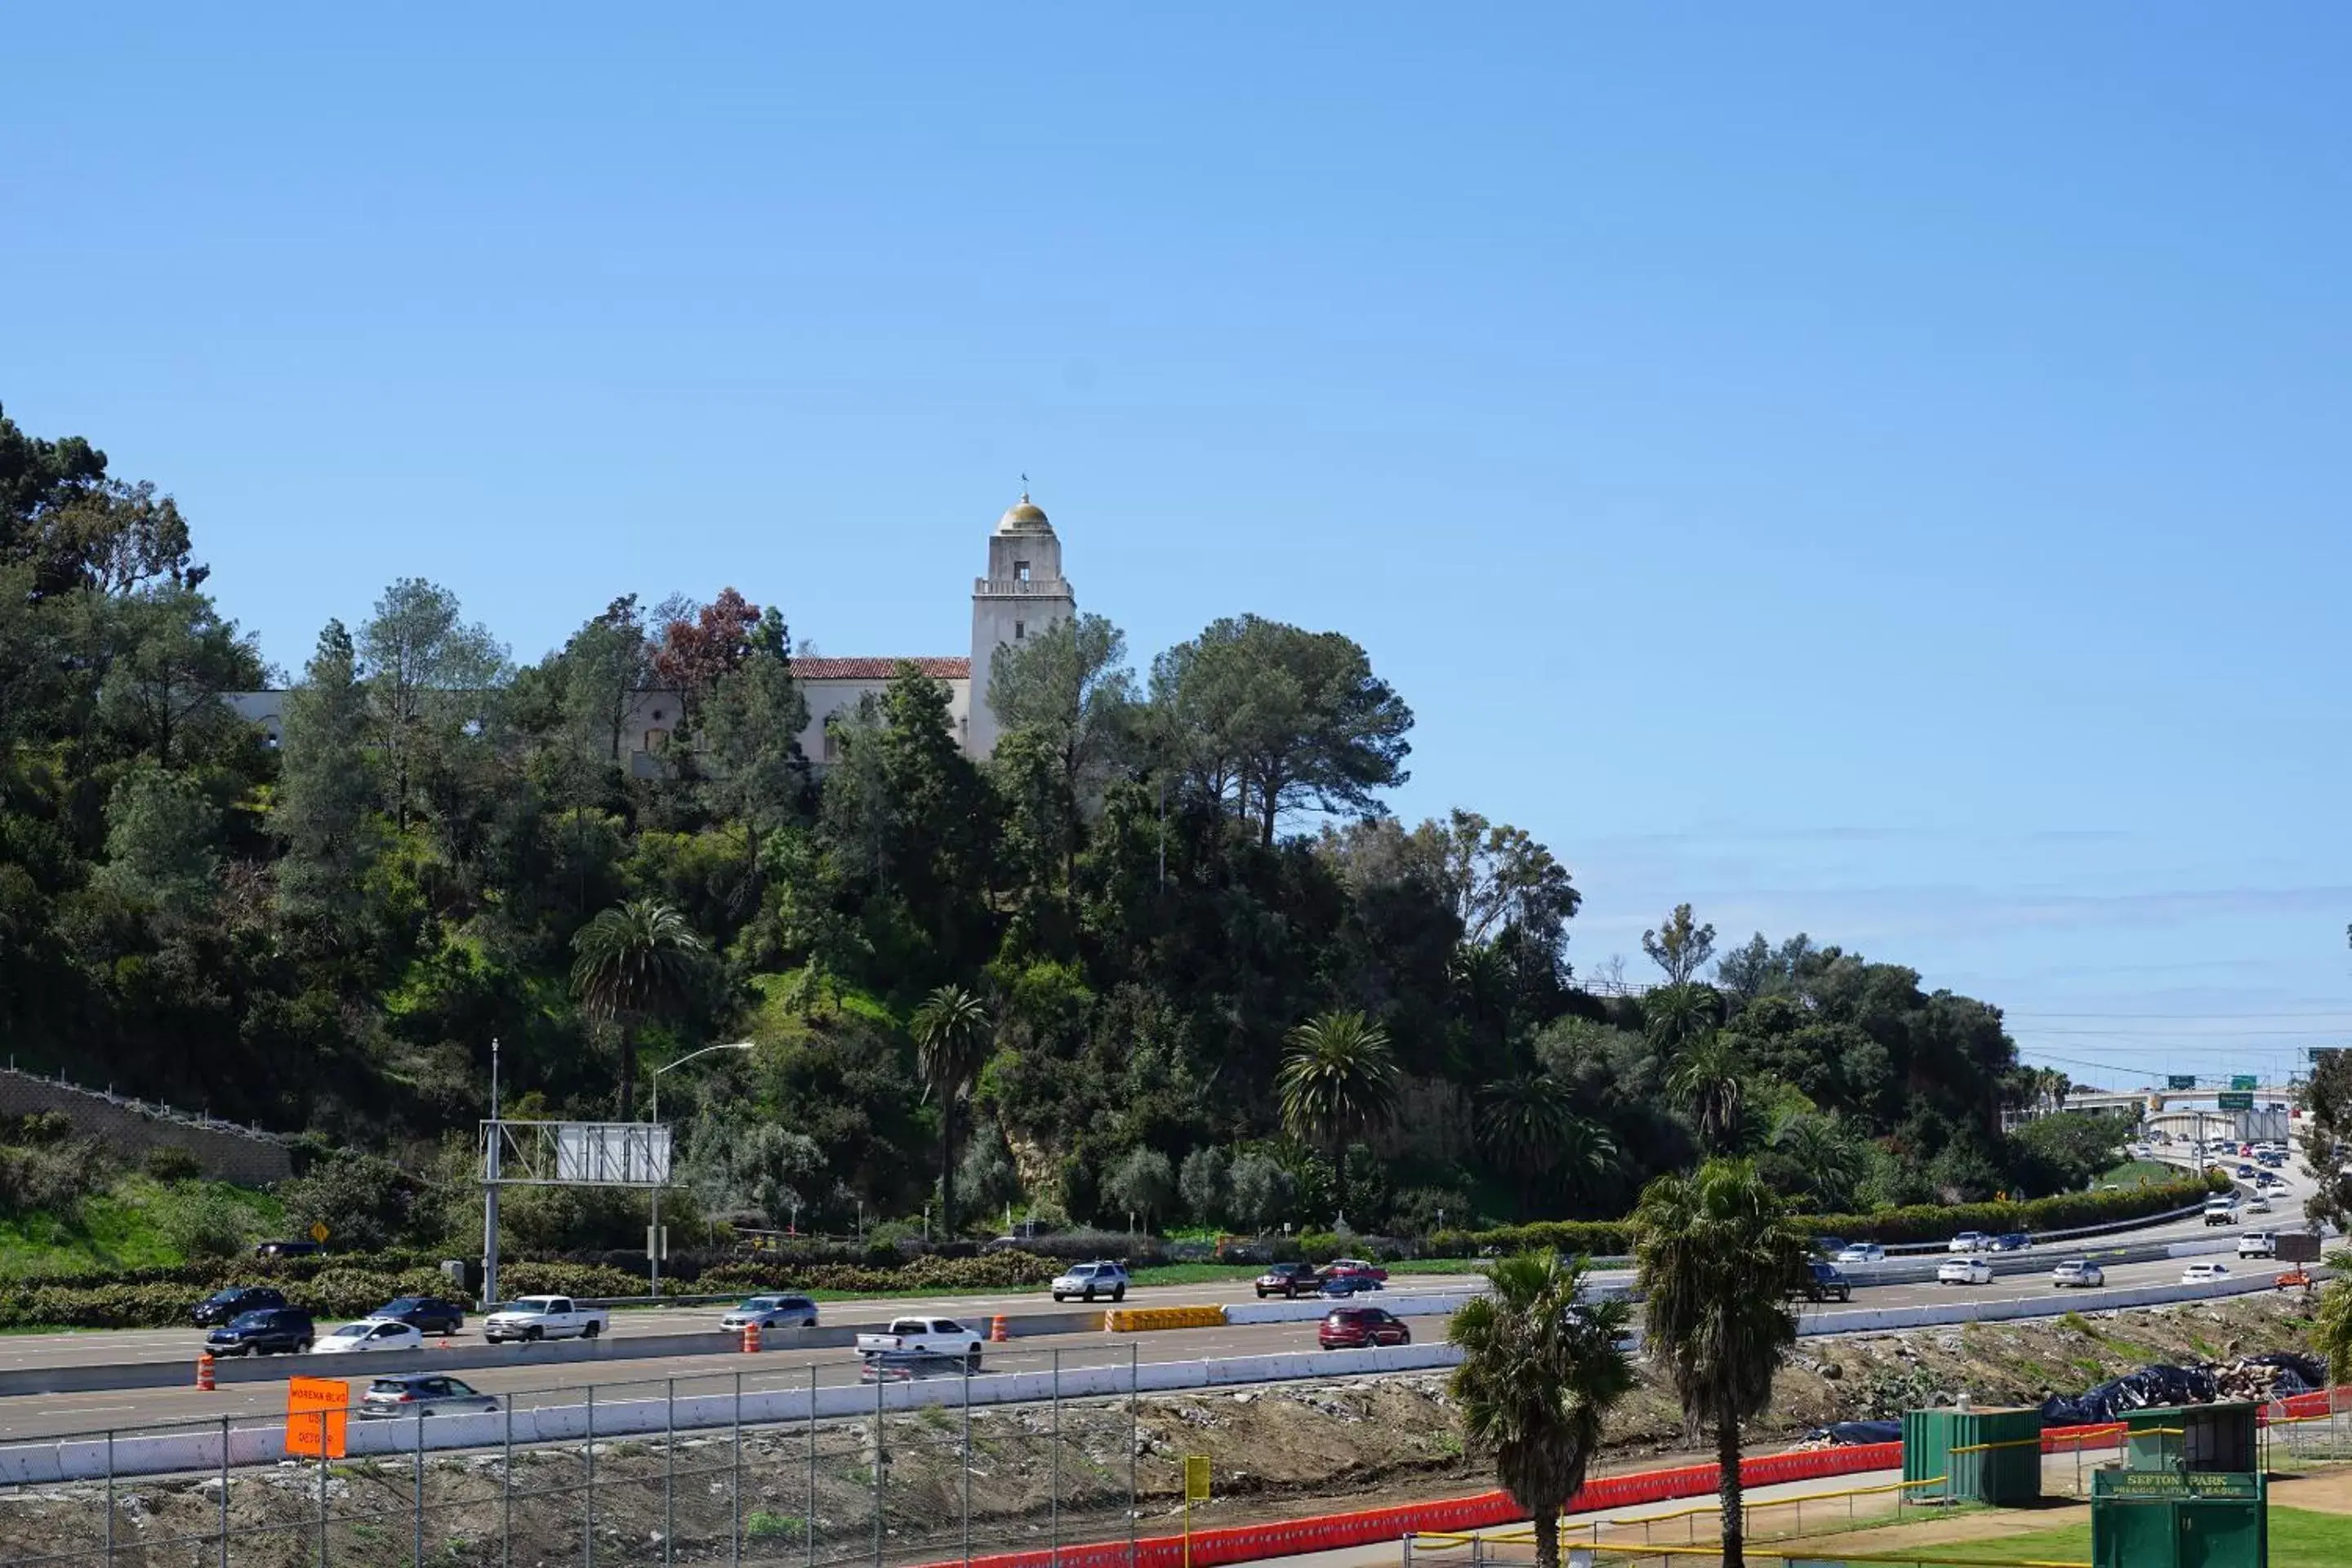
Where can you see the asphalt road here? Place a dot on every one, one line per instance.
(38, 1415)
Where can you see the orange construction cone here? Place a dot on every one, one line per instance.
(751, 1337)
(204, 1370)
(999, 1330)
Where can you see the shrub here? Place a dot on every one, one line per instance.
(1204, 1182)
(201, 1221)
(1143, 1183)
(169, 1162)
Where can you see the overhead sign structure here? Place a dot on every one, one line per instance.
(317, 1410)
(2235, 1101)
(2244, 1080)
(2181, 1081)
(576, 1154)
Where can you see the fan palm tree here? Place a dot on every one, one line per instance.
(1673, 1016)
(634, 961)
(951, 1033)
(1521, 1120)
(1539, 1370)
(1337, 1078)
(1821, 1153)
(1719, 1262)
(1708, 1078)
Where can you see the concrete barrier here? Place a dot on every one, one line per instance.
(1144, 1320)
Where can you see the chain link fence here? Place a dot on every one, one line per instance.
(955, 1477)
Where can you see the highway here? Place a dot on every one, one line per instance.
(50, 1415)
(42, 1415)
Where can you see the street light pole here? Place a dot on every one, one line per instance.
(654, 1232)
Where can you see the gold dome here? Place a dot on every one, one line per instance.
(1023, 516)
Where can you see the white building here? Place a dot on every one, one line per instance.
(1023, 593)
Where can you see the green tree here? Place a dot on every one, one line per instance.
(2324, 1098)
(1337, 1079)
(429, 677)
(1540, 1370)
(1262, 1192)
(1521, 1120)
(952, 1033)
(633, 962)
(754, 718)
(162, 843)
(1681, 947)
(1205, 1181)
(170, 659)
(1141, 1184)
(605, 665)
(1069, 690)
(1279, 720)
(324, 811)
(1709, 1080)
(1718, 1263)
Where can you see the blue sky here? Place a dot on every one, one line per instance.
(1861, 470)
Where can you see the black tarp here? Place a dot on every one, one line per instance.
(2149, 1387)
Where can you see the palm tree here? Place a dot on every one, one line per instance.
(1719, 1262)
(634, 961)
(1827, 1159)
(1709, 1079)
(1337, 1078)
(951, 1037)
(1539, 1370)
(1528, 1123)
(1673, 1017)
(1520, 1121)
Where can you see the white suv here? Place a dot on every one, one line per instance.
(1088, 1280)
(2258, 1244)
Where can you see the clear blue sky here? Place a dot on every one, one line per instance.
(1861, 470)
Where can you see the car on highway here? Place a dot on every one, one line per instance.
(921, 1337)
(369, 1334)
(271, 1330)
(2221, 1211)
(1344, 1282)
(1086, 1280)
(1352, 1327)
(2011, 1241)
(2078, 1272)
(1862, 1252)
(1366, 1276)
(2258, 1244)
(1970, 1241)
(1974, 1270)
(1289, 1280)
(533, 1318)
(221, 1306)
(770, 1312)
(1824, 1283)
(415, 1394)
(2245, 1172)
(2258, 1204)
(2204, 1273)
(425, 1315)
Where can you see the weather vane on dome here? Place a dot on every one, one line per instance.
(1025, 487)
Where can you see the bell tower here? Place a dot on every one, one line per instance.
(1023, 593)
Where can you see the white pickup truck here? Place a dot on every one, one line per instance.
(532, 1317)
(924, 1337)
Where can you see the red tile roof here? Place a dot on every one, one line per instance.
(878, 668)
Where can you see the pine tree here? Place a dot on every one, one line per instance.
(326, 795)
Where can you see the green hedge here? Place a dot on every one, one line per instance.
(2064, 1211)
(995, 1270)
(330, 1293)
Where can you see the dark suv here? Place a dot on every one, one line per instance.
(1824, 1283)
(282, 1330)
(1291, 1279)
(425, 1315)
(223, 1305)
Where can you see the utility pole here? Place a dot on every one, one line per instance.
(490, 1191)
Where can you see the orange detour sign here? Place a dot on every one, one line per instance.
(316, 1411)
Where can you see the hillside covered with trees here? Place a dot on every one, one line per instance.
(1165, 953)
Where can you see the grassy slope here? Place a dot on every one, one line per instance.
(121, 1228)
(2299, 1538)
(2132, 1173)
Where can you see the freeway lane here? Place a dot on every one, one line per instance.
(87, 1347)
(47, 1415)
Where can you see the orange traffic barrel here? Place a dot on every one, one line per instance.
(999, 1329)
(751, 1337)
(204, 1370)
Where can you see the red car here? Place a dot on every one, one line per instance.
(1291, 1279)
(1355, 1269)
(1352, 1327)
